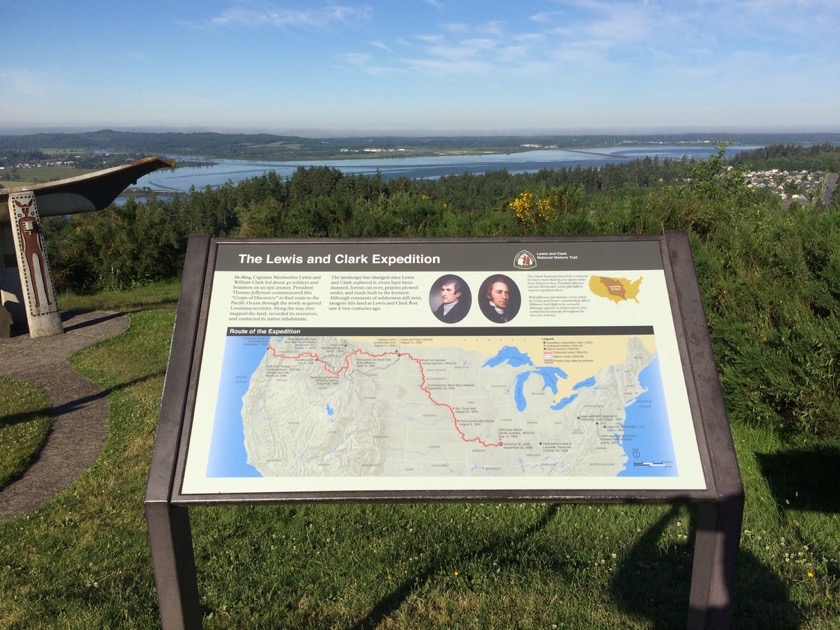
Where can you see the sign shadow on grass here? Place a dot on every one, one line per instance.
(804, 479)
(651, 582)
(395, 599)
(654, 581)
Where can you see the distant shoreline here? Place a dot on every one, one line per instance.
(207, 146)
(91, 151)
(389, 166)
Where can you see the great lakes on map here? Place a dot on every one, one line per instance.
(335, 406)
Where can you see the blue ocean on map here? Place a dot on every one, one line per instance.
(227, 445)
(647, 435)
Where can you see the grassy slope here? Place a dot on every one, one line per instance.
(82, 561)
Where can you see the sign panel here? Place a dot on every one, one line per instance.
(477, 365)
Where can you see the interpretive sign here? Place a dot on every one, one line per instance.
(576, 369)
(365, 366)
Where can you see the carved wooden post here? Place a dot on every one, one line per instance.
(37, 288)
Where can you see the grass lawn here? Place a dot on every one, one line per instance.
(82, 560)
(24, 425)
(150, 295)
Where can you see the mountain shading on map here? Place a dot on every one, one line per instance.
(615, 289)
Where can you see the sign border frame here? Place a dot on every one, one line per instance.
(721, 504)
(709, 418)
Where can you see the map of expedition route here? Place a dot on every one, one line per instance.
(338, 406)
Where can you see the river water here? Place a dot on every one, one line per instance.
(433, 167)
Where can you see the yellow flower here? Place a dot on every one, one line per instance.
(522, 207)
(545, 211)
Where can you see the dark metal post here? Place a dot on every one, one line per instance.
(170, 537)
(718, 534)
(716, 545)
(172, 557)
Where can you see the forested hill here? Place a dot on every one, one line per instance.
(278, 147)
(787, 157)
(136, 142)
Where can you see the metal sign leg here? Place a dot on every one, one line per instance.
(716, 546)
(172, 556)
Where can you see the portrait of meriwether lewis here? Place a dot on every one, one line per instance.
(450, 299)
(499, 299)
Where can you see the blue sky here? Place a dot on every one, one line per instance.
(421, 66)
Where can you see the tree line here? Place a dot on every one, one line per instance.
(792, 157)
(770, 276)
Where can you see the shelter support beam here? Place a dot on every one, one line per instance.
(27, 292)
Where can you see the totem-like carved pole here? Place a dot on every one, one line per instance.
(27, 293)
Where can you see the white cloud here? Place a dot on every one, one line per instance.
(278, 17)
(449, 67)
(137, 55)
(357, 59)
(365, 62)
(435, 4)
(27, 84)
(494, 27)
(582, 54)
(544, 17)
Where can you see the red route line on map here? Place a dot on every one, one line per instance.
(423, 387)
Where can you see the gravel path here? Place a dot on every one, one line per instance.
(79, 408)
